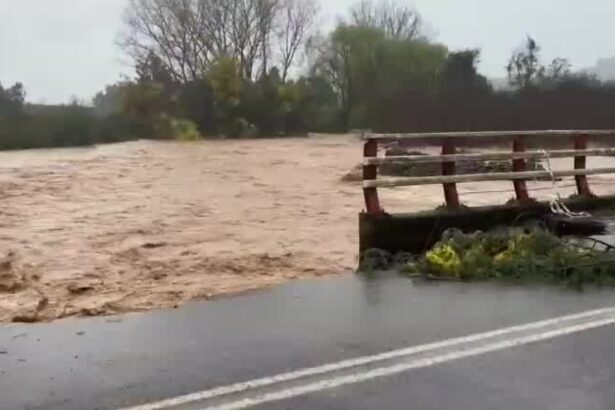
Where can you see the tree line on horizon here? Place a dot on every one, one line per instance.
(261, 68)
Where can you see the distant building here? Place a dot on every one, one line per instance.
(604, 69)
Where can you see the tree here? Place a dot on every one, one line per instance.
(227, 85)
(362, 64)
(195, 101)
(261, 105)
(266, 13)
(167, 29)
(111, 100)
(524, 67)
(398, 22)
(189, 36)
(557, 71)
(319, 109)
(12, 99)
(152, 68)
(460, 74)
(298, 17)
(525, 70)
(226, 82)
(342, 57)
(145, 104)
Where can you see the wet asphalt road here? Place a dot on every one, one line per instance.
(572, 373)
(107, 363)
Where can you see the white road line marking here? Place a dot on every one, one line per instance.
(360, 361)
(410, 365)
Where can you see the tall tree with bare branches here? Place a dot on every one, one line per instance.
(164, 28)
(188, 36)
(398, 21)
(296, 23)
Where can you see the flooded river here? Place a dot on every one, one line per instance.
(142, 225)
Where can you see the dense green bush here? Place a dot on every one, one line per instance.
(70, 126)
(119, 127)
(177, 129)
(240, 128)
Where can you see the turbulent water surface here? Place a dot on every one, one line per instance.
(142, 225)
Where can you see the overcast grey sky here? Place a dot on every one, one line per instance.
(64, 48)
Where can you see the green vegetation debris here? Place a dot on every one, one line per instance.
(512, 255)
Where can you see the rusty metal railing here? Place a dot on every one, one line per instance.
(449, 157)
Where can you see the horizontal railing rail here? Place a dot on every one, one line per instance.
(487, 134)
(449, 157)
(501, 155)
(496, 176)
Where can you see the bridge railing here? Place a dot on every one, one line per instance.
(449, 157)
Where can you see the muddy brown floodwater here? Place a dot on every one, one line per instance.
(143, 225)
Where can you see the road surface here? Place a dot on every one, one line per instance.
(346, 342)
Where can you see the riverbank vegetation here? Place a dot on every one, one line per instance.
(253, 68)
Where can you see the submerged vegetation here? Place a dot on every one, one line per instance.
(512, 255)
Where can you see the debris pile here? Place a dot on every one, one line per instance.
(507, 254)
(462, 167)
(435, 169)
